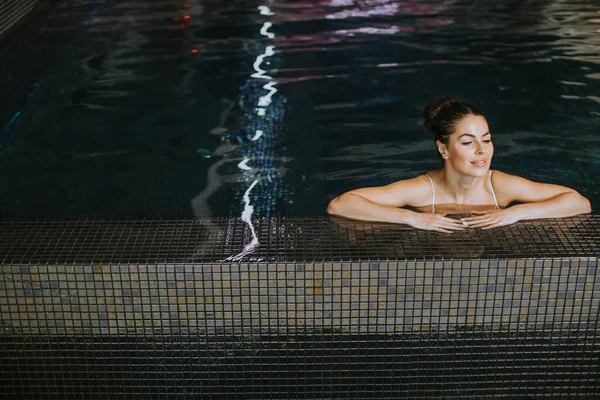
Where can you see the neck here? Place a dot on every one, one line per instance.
(461, 187)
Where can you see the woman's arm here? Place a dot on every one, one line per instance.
(383, 204)
(537, 200)
(354, 206)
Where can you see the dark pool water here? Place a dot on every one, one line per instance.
(164, 109)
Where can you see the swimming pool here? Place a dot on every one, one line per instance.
(162, 109)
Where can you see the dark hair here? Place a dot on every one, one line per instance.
(441, 117)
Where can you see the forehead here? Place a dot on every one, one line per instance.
(471, 124)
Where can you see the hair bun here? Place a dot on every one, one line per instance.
(432, 110)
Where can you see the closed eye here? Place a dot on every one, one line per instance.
(484, 141)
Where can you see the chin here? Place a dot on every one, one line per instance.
(481, 171)
(477, 172)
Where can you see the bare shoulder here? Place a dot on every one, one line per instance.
(418, 182)
(406, 192)
(415, 191)
(415, 185)
(516, 188)
(502, 178)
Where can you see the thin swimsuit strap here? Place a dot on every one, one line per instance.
(492, 190)
(433, 192)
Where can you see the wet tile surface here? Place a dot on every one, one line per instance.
(286, 240)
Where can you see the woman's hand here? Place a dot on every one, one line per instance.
(436, 222)
(492, 219)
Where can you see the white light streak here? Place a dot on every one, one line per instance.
(257, 135)
(264, 30)
(264, 10)
(244, 165)
(265, 100)
(260, 73)
(247, 218)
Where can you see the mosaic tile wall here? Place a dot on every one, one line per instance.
(376, 296)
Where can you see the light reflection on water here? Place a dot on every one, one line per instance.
(162, 111)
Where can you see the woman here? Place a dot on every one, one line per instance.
(465, 185)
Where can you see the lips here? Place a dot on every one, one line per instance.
(479, 163)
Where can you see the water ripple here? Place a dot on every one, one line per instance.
(165, 91)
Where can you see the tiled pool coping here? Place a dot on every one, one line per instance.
(326, 307)
(141, 277)
(222, 240)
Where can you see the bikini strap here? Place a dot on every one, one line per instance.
(432, 194)
(492, 190)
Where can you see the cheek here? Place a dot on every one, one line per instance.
(463, 153)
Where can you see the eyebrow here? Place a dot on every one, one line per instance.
(468, 134)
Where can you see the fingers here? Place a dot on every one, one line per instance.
(481, 224)
(475, 219)
(489, 223)
(448, 225)
(492, 226)
(450, 220)
(441, 224)
(482, 220)
(454, 227)
(447, 229)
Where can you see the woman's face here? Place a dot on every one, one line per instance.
(470, 148)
